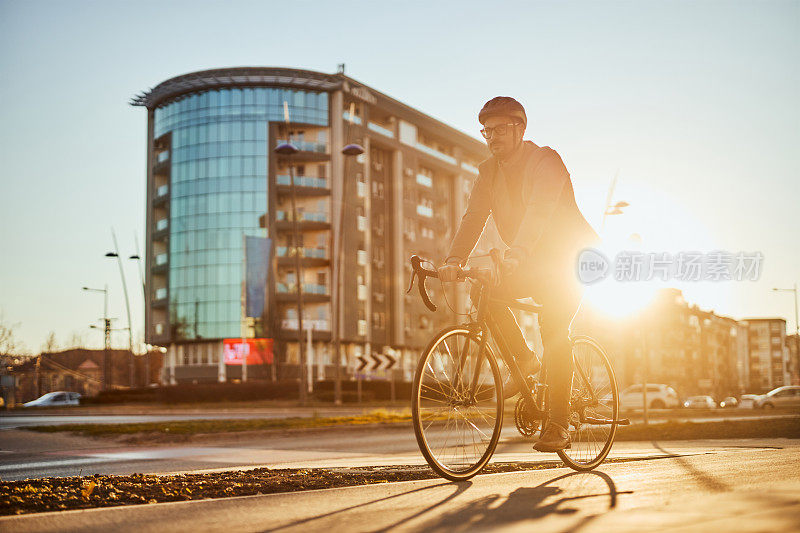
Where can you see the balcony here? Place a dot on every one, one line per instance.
(351, 118)
(305, 185)
(160, 297)
(309, 256)
(307, 220)
(162, 195)
(309, 151)
(470, 168)
(302, 181)
(321, 328)
(307, 146)
(312, 292)
(380, 129)
(161, 229)
(447, 158)
(162, 165)
(424, 211)
(160, 262)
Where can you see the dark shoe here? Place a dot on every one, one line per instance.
(554, 438)
(529, 367)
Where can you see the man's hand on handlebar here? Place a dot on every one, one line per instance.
(512, 258)
(449, 272)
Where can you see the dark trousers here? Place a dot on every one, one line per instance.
(558, 290)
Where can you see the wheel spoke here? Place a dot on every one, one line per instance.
(594, 381)
(457, 418)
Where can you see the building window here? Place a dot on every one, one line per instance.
(377, 189)
(425, 177)
(408, 133)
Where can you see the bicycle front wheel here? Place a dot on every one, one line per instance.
(457, 404)
(594, 406)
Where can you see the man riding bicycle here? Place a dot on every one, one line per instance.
(528, 191)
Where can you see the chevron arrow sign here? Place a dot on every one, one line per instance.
(376, 361)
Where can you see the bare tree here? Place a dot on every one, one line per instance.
(50, 344)
(8, 344)
(76, 340)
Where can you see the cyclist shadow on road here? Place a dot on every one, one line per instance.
(532, 503)
(460, 487)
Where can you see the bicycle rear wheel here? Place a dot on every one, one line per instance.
(594, 405)
(457, 404)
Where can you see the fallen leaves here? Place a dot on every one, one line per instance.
(87, 490)
(84, 492)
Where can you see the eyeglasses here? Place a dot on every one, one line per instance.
(500, 129)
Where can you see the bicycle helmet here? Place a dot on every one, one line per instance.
(504, 106)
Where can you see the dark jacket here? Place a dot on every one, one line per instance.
(546, 224)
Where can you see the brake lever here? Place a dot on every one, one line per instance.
(411, 285)
(424, 294)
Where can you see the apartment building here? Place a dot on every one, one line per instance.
(769, 363)
(221, 278)
(693, 350)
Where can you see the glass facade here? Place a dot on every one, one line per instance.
(218, 186)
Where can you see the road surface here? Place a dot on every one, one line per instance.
(721, 490)
(17, 420)
(26, 454)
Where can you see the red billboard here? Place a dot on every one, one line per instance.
(255, 351)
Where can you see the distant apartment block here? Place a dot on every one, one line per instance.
(695, 351)
(769, 362)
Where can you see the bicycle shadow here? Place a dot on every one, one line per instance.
(460, 487)
(705, 479)
(531, 503)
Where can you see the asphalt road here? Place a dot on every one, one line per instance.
(83, 415)
(13, 421)
(26, 454)
(731, 490)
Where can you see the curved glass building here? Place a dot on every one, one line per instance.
(221, 245)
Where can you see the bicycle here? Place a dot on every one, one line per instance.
(457, 394)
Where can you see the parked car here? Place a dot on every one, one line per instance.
(748, 401)
(788, 396)
(659, 396)
(700, 402)
(53, 399)
(730, 401)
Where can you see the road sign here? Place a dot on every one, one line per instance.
(376, 361)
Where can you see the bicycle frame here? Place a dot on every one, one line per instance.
(484, 326)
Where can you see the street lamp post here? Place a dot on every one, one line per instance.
(615, 209)
(796, 319)
(287, 150)
(106, 335)
(136, 257)
(115, 253)
(351, 150)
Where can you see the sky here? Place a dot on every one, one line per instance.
(693, 105)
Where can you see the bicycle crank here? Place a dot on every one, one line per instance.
(524, 418)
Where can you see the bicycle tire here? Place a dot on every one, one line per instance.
(591, 443)
(424, 415)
